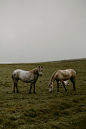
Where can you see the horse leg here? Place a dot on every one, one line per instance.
(13, 87)
(64, 85)
(30, 88)
(74, 86)
(73, 81)
(34, 88)
(15, 83)
(57, 85)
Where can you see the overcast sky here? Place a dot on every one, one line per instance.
(42, 30)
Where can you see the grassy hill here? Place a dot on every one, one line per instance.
(43, 110)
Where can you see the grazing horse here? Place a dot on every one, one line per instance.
(62, 75)
(65, 82)
(26, 76)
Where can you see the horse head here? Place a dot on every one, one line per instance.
(50, 87)
(40, 70)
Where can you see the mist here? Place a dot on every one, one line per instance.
(42, 30)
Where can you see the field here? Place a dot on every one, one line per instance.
(43, 110)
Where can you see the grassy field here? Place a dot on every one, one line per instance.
(43, 110)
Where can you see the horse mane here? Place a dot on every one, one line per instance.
(34, 71)
(53, 75)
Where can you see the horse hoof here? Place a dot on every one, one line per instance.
(66, 90)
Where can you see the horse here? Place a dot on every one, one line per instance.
(62, 75)
(66, 83)
(27, 77)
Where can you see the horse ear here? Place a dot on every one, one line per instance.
(40, 66)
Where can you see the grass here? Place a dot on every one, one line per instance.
(43, 110)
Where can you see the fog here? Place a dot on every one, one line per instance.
(42, 30)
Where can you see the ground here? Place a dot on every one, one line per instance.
(43, 110)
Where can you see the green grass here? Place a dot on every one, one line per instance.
(43, 110)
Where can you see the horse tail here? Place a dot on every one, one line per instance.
(13, 84)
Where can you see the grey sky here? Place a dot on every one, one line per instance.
(42, 30)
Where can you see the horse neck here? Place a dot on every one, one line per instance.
(35, 71)
(53, 77)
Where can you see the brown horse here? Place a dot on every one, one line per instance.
(62, 75)
(27, 77)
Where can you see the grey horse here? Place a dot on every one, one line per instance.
(27, 77)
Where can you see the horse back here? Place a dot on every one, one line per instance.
(65, 74)
(25, 76)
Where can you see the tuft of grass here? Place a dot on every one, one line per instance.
(75, 100)
(1, 121)
(65, 112)
(64, 105)
(78, 124)
(57, 112)
(12, 118)
(9, 125)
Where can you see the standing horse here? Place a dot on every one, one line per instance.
(26, 76)
(62, 75)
